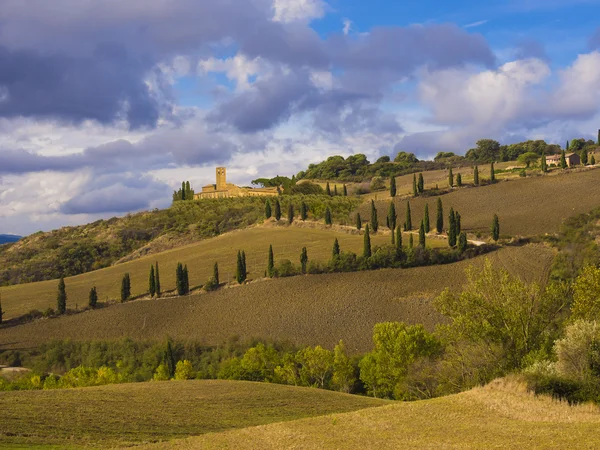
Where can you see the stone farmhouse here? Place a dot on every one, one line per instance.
(223, 189)
(572, 159)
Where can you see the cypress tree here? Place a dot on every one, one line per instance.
(304, 211)
(328, 220)
(452, 229)
(450, 177)
(244, 268)
(290, 213)
(398, 241)
(391, 217)
(358, 222)
(61, 298)
(457, 223)
(462, 242)
(392, 186)
(421, 184)
(328, 189)
(440, 216)
(415, 188)
(216, 273)
(303, 259)
(277, 210)
(183, 190)
(567, 146)
(186, 280)
(335, 251)
(422, 235)
(92, 299)
(374, 219)
(271, 263)
(152, 282)
(411, 242)
(268, 212)
(592, 160)
(157, 282)
(492, 173)
(458, 179)
(367, 243)
(239, 269)
(426, 219)
(584, 157)
(179, 283)
(169, 359)
(476, 176)
(495, 228)
(408, 223)
(345, 191)
(563, 159)
(543, 164)
(188, 191)
(125, 288)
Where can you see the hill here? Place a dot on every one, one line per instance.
(8, 238)
(128, 414)
(500, 415)
(306, 310)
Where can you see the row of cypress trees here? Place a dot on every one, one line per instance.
(329, 192)
(275, 211)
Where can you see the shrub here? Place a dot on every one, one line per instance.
(161, 373)
(184, 370)
(211, 285)
(574, 352)
(285, 268)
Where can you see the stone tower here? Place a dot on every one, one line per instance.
(221, 179)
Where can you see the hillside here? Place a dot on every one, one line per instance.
(500, 415)
(307, 310)
(135, 413)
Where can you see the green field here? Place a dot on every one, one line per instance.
(307, 310)
(135, 413)
(500, 415)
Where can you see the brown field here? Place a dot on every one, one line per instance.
(306, 310)
(129, 414)
(526, 206)
(501, 415)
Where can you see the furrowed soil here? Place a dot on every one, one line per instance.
(129, 414)
(306, 310)
(525, 206)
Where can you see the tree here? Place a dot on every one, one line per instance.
(476, 176)
(452, 228)
(244, 268)
(345, 191)
(440, 216)
(328, 189)
(328, 220)
(277, 210)
(421, 184)
(492, 173)
(495, 228)
(186, 280)
(426, 219)
(290, 213)
(216, 273)
(152, 282)
(179, 281)
(358, 222)
(391, 217)
(92, 299)
(335, 252)
(592, 160)
(462, 242)
(343, 370)
(459, 180)
(563, 159)
(408, 222)
(584, 157)
(183, 191)
(398, 242)
(411, 242)
(169, 359)
(422, 235)
(450, 177)
(271, 263)
(415, 188)
(61, 299)
(184, 370)
(586, 294)
(567, 146)
(374, 219)
(157, 282)
(392, 186)
(268, 212)
(367, 243)
(457, 224)
(528, 158)
(304, 259)
(125, 288)
(304, 211)
(240, 275)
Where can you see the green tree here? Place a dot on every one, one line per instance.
(457, 224)
(450, 177)
(426, 219)
(584, 157)
(179, 281)
(152, 282)
(367, 243)
(563, 159)
(422, 235)
(244, 267)
(421, 184)
(61, 298)
(216, 273)
(169, 359)
(495, 228)
(184, 370)
(408, 222)
(374, 219)
(358, 222)
(268, 212)
(125, 288)
(440, 216)
(345, 191)
(304, 211)
(335, 252)
(277, 210)
(411, 242)
(157, 282)
(543, 163)
(415, 187)
(92, 299)
(271, 263)
(304, 259)
(462, 242)
(492, 173)
(183, 190)
(328, 189)
(290, 213)
(476, 176)
(240, 275)
(391, 217)
(592, 160)
(586, 294)
(528, 158)
(186, 280)
(459, 180)
(398, 242)
(328, 220)
(392, 186)
(344, 377)
(452, 228)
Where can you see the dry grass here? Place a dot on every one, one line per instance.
(307, 310)
(148, 412)
(498, 416)
(526, 206)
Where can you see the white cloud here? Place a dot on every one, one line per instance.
(322, 79)
(476, 24)
(239, 69)
(347, 26)
(579, 90)
(297, 10)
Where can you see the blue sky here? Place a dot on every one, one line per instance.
(104, 112)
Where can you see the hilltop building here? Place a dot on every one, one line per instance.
(572, 159)
(223, 189)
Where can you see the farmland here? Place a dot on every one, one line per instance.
(526, 206)
(128, 414)
(306, 310)
(500, 415)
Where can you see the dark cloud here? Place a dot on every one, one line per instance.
(594, 42)
(530, 48)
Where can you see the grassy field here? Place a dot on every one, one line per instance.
(500, 415)
(200, 257)
(307, 310)
(135, 413)
(526, 206)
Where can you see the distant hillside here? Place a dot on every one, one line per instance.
(8, 238)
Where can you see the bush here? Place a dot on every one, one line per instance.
(211, 285)
(285, 268)
(161, 373)
(378, 184)
(575, 352)
(184, 370)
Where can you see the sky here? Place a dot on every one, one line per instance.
(106, 106)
